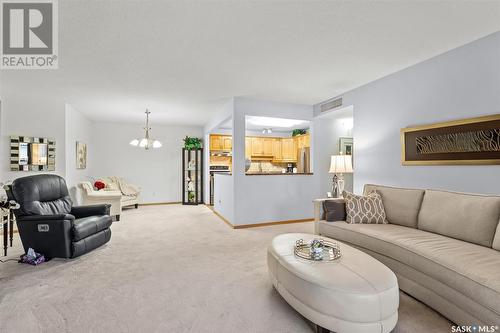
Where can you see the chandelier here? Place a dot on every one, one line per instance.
(146, 142)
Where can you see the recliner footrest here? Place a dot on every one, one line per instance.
(90, 243)
(87, 226)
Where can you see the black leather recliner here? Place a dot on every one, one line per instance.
(48, 222)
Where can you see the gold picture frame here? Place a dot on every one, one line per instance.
(452, 135)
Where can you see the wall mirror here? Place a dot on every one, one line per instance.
(32, 154)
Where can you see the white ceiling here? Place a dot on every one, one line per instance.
(182, 59)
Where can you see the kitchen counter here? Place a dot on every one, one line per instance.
(276, 174)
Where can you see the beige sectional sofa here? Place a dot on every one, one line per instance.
(443, 246)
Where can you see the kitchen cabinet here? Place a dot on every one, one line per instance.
(221, 142)
(303, 141)
(261, 146)
(215, 142)
(289, 149)
(227, 143)
(257, 147)
(282, 150)
(278, 156)
(267, 146)
(248, 147)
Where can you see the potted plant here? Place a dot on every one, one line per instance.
(299, 131)
(192, 143)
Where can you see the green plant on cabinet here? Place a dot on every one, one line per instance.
(192, 143)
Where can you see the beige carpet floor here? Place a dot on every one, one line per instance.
(167, 269)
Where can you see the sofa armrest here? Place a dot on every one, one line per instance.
(318, 203)
(134, 188)
(318, 211)
(109, 194)
(42, 218)
(91, 210)
(108, 189)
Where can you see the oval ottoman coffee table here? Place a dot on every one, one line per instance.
(354, 294)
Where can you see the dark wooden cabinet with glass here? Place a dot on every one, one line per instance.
(192, 176)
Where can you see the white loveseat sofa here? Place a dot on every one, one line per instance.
(443, 246)
(93, 197)
(130, 193)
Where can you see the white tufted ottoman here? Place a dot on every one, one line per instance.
(356, 294)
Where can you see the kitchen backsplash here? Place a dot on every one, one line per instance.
(266, 167)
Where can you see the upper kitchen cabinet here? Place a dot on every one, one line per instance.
(289, 149)
(303, 141)
(261, 146)
(227, 143)
(221, 142)
(267, 146)
(248, 147)
(257, 147)
(215, 142)
(277, 151)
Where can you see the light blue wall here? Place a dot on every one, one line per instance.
(260, 199)
(462, 83)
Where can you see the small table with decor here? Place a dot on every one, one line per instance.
(7, 221)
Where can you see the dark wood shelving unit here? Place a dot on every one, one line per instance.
(192, 176)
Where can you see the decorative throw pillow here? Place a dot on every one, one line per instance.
(364, 209)
(334, 210)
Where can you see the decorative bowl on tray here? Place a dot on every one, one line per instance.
(317, 250)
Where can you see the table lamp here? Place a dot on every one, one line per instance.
(339, 165)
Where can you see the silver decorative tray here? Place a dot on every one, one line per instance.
(330, 252)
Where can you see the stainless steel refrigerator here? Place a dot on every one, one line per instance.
(304, 160)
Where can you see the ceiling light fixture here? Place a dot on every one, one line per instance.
(146, 142)
(267, 131)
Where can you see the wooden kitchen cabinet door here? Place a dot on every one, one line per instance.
(267, 146)
(227, 143)
(289, 149)
(215, 142)
(307, 140)
(257, 147)
(248, 148)
(278, 156)
(299, 141)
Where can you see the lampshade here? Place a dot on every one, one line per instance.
(341, 164)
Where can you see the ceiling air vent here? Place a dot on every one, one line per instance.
(331, 105)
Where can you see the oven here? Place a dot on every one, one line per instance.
(213, 170)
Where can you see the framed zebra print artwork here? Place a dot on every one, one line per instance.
(467, 141)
